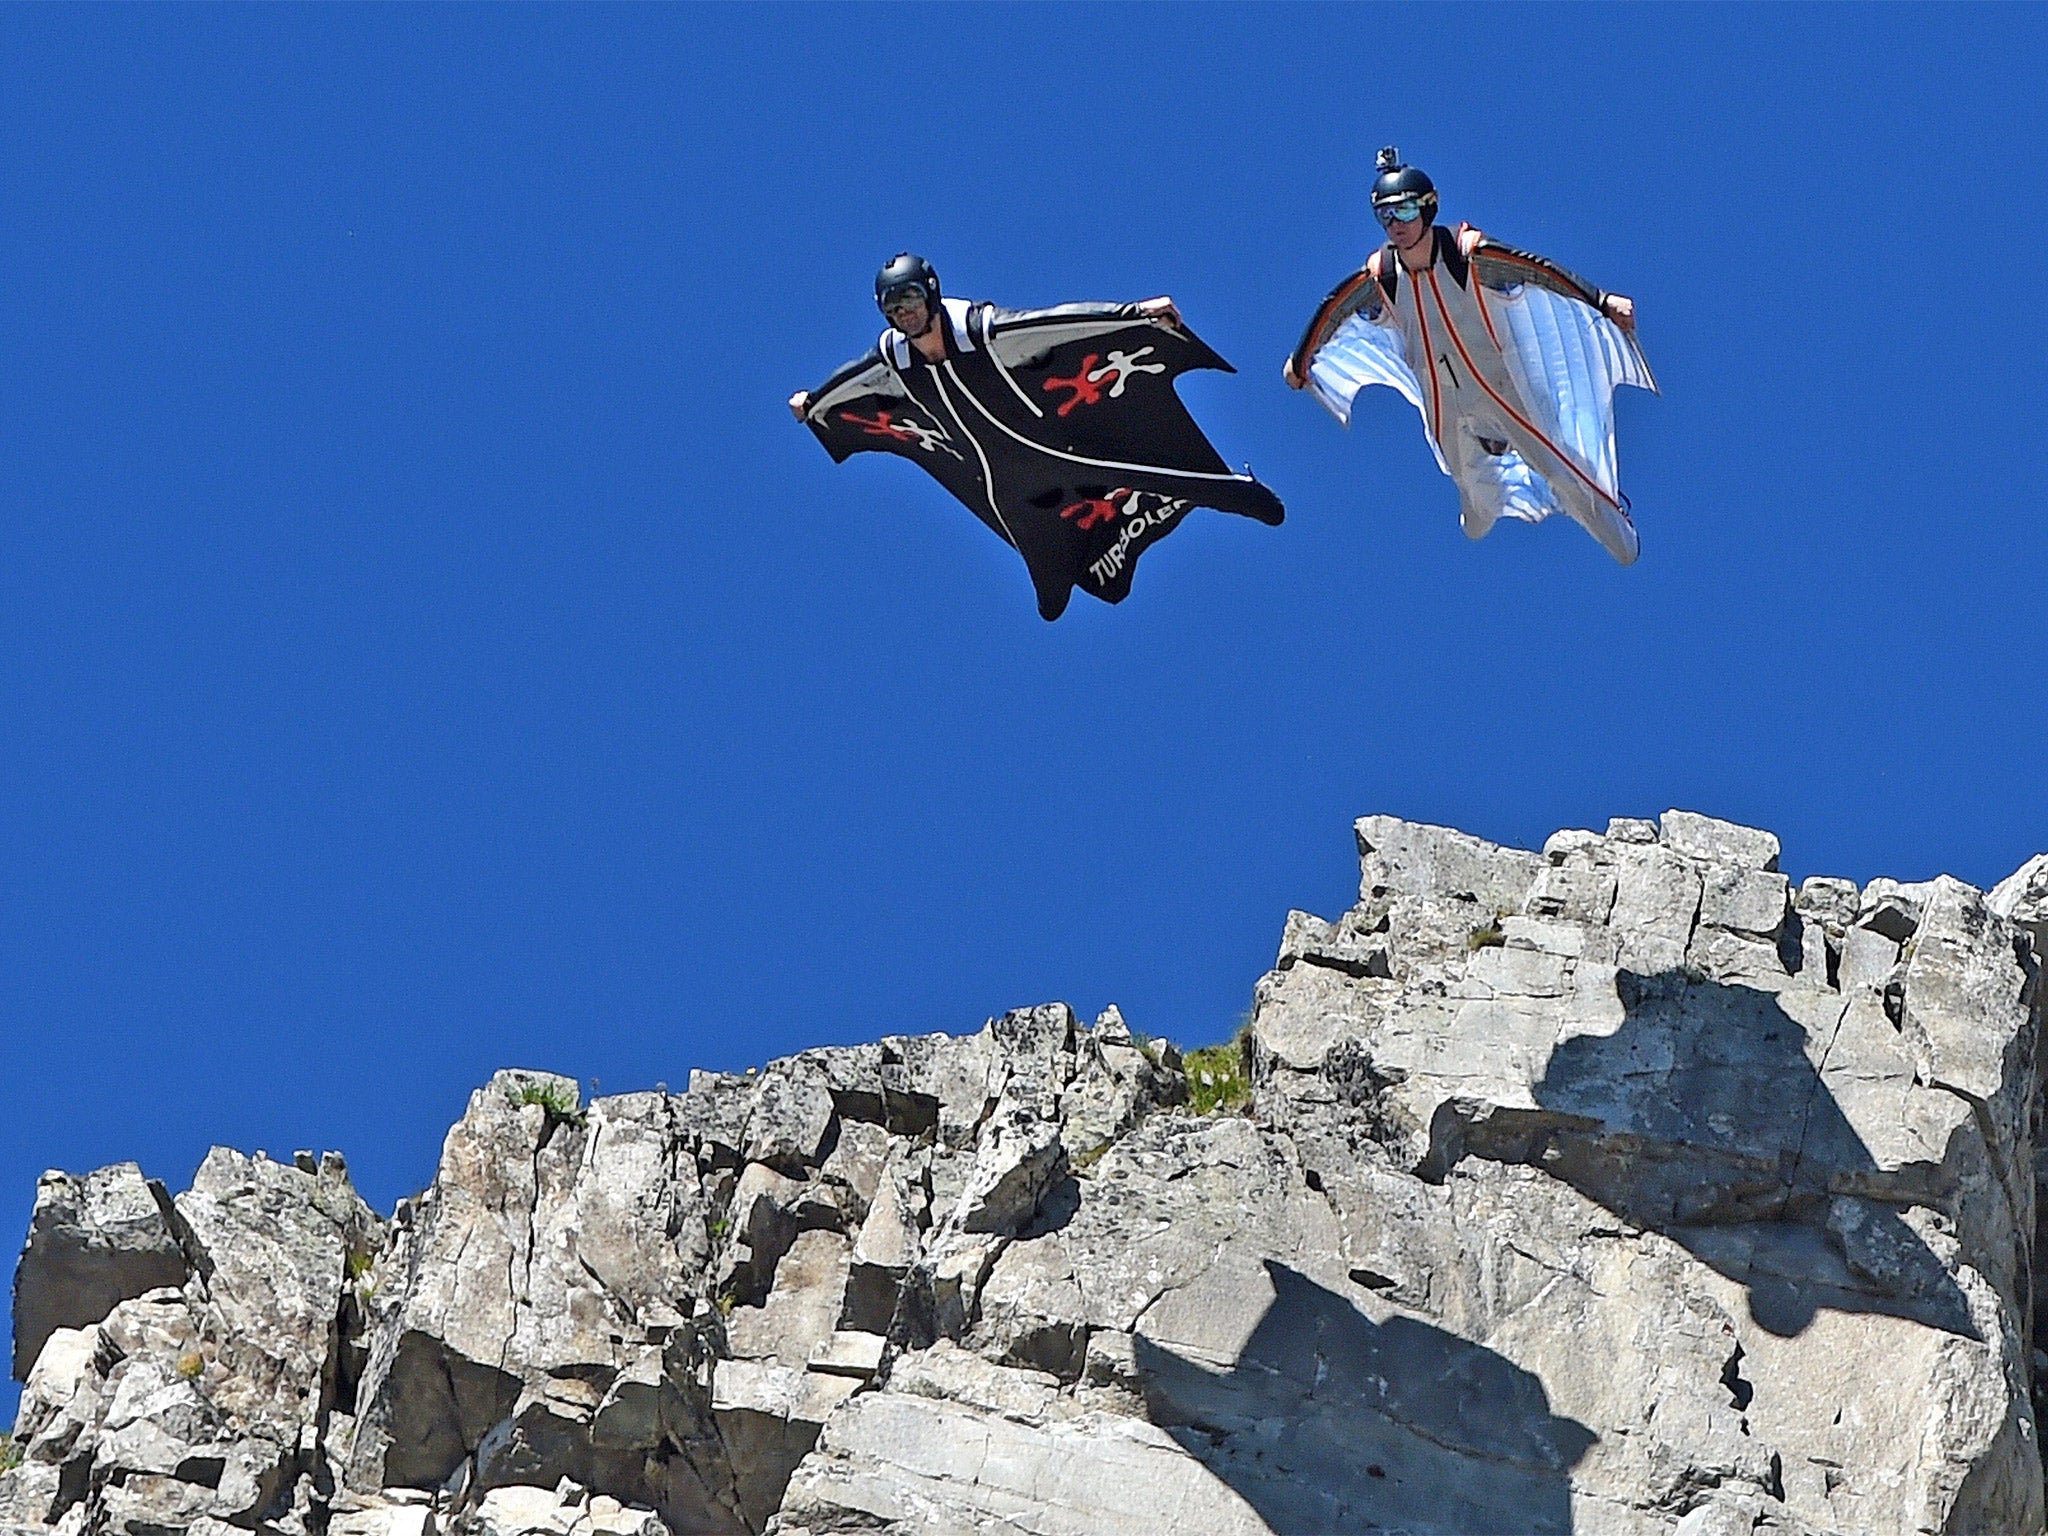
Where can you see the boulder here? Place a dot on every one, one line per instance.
(792, 1117)
(1717, 842)
(1019, 1157)
(64, 1367)
(565, 1510)
(92, 1242)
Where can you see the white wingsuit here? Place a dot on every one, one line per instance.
(1512, 365)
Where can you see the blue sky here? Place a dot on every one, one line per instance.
(427, 645)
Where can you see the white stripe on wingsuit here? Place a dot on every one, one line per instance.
(988, 478)
(988, 341)
(1075, 458)
(956, 311)
(855, 389)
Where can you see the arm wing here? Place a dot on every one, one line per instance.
(1360, 351)
(1097, 379)
(1568, 359)
(1353, 342)
(853, 411)
(864, 408)
(1021, 338)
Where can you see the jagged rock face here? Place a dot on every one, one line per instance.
(1616, 1187)
(1740, 1174)
(206, 1403)
(665, 1296)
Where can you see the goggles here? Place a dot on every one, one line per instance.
(1402, 210)
(897, 300)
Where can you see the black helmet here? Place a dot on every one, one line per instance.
(906, 273)
(1398, 183)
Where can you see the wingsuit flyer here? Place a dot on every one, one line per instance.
(1059, 428)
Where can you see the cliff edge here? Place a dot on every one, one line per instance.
(1619, 1187)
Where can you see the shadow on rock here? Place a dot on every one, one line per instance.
(1702, 1118)
(1328, 1421)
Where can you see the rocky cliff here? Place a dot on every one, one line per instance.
(1617, 1187)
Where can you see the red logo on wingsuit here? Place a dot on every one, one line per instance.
(881, 424)
(885, 424)
(1095, 509)
(1116, 371)
(1086, 388)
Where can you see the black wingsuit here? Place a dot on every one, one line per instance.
(1059, 428)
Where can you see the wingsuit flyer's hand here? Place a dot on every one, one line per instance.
(1162, 309)
(799, 403)
(1622, 311)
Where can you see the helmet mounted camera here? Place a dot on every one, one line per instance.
(1399, 183)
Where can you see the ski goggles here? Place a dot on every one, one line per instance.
(1405, 210)
(898, 299)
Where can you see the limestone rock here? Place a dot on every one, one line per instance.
(1829, 901)
(1892, 908)
(2022, 898)
(384, 1520)
(92, 1242)
(888, 1241)
(769, 1416)
(962, 1446)
(31, 1494)
(848, 1353)
(1815, 1176)
(561, 1252)
(1019, 1157)
(565, 1510)
(792, 1116)
(1717, 842)
(1115, 1083)
(273, 1247)
(802, 1308)
(200, 1407)
(62, 1370)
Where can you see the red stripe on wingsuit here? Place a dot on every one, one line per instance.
(1470, 249)
(1479, 294)
(1527, 426)
(1428, 346)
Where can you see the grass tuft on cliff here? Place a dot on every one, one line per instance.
(557, 1099)
(1219, 1077)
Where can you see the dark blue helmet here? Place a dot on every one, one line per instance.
(903, 275)
(1398, 183)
